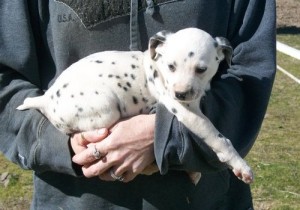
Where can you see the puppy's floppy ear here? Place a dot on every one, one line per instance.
(157, 41)
(224, 49)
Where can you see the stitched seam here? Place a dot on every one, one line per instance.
(182, 142)
(39, 133)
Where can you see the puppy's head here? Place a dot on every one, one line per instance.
(187, 60)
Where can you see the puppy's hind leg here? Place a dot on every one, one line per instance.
(33, 103)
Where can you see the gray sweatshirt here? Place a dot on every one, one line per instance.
(41, 38)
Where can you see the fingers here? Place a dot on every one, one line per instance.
(96, 168)
(90, 155)
(80, 141)
(124, 154)
(122, 176)
(91, 166)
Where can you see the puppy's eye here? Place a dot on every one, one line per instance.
(171, 67)
(200, 70)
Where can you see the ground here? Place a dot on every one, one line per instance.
(288, 14)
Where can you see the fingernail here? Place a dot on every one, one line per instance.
(101, 131)
(74, 158)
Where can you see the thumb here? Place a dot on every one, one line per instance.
(93, 136)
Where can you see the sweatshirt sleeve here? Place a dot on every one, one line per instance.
(26, 137)
(239, 95)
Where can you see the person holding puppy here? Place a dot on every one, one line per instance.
(45, 37)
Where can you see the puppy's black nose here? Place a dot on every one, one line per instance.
(181, 95)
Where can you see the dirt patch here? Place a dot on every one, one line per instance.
(288, 13)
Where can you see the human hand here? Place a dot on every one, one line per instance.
(80, 141)
(128, 150)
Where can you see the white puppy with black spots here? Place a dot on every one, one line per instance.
(176, 70)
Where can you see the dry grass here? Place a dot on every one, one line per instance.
(275, 155)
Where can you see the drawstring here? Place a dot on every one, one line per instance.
(134, 25)
(150, 7)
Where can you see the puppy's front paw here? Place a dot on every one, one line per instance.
(244, 173)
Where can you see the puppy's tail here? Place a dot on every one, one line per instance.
(32, 103)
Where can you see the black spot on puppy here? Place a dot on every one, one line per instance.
(98, 61)
(155, 74)
(134, 57)
(58, 93)
(110, 76)
(58, 125)
(220, 135)
(145, 100)
(65, 85)
(128, 84)
(174, 110)
(150, 79)
(132, 76)
(191, 54)
(135, 100)
(172, 67)
(133, 66)
(118, 108)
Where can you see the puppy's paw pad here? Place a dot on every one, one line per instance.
(246, 175)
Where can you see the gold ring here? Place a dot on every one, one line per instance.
(82, 137)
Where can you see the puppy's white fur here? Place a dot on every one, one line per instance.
(177, 69)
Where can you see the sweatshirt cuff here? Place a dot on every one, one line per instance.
(53, 151)
(162, 129)
(177, 148)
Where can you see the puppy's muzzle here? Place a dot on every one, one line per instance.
(181, 95)
(186, 95)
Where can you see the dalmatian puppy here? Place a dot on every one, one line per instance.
(176, 70)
